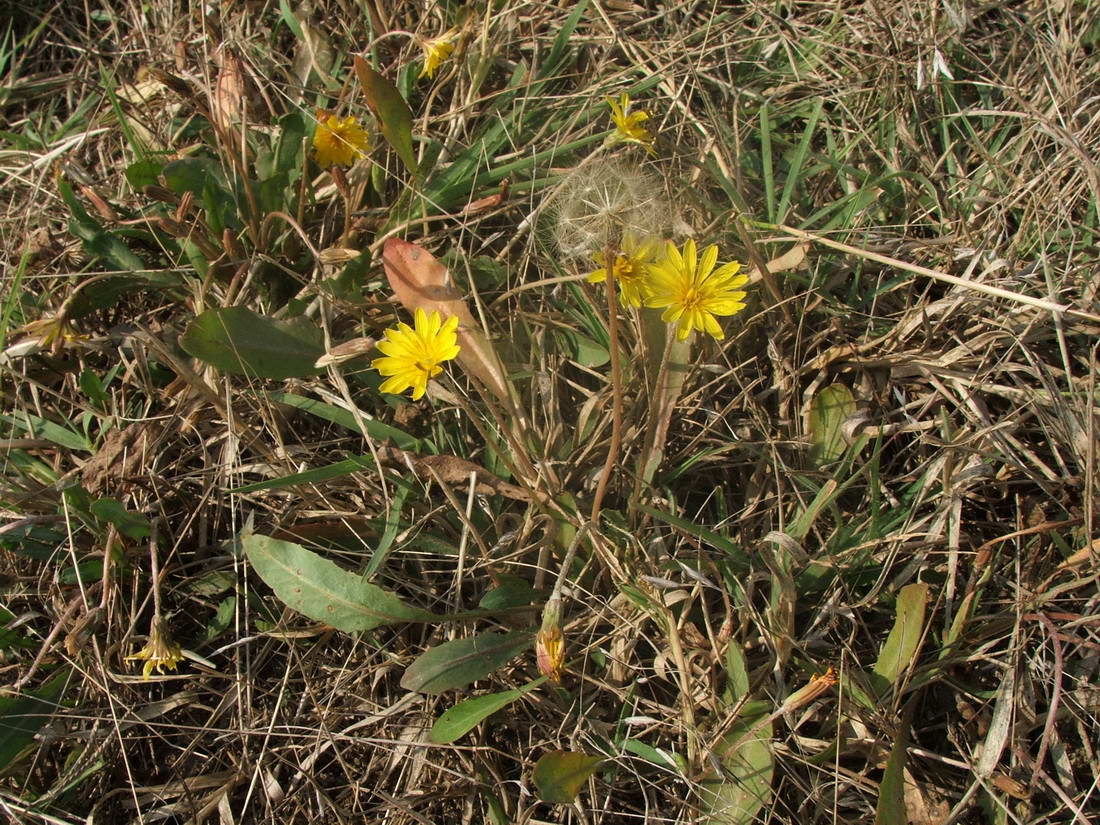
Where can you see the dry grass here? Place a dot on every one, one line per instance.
(958, 137)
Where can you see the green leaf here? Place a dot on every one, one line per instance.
(289, 148)
(143, 173)
(749, 764)
(890, 809)
(795, 171)
(401, 492)
(21, 717)
(133, 525)
(12, 639)
(106, 293)
(830, 407)
(737, 674)
(904, 640)
(559, 775)
(97, 240)
(92, 388)
(316, 587)
(193, 175)
(32, 540)
(461, 662)
(735, 556)
(393, 113)
(44, 428)
(344, 418)
(658, 756)
(512, 591)
(586, 351)
(211, 583)
(237, 340)
(222, 619)
(467, 714)
(557, 50)
(340, 468)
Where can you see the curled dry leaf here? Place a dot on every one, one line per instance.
(488, 202)
(421, 282)
(791, 259)
(453, 470)
(345, 352)
(229, 104)
(337, 255)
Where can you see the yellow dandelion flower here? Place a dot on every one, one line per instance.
(338, 142)
(693, 291)
(436, 50)
(629, 268)
(160, 651)
(628, 124)
(413, 356)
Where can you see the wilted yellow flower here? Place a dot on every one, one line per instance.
(436, 51)
(810, 691)
(52, 333)
(160, 651)
(550, 653)
(628, 125)
(629, 268)
(338, 142)
(413, 356)
(693, 290)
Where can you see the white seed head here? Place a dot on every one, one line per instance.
(599, 202)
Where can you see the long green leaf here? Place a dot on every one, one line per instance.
(750, 765)
(44, 428)
(461, 662)
(467, 714)
(344, 418)
(318, 588)
(904, 640)
(557, 50)
(393, 113)
(890, 809)
(21, 717)
(735, 555)
(318, 474)
(830, 407)
(795, 171)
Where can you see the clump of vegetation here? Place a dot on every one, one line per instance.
(508, 413)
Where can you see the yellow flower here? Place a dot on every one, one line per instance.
(414, 355)
(628, 125)
(338, 142)
(694, 291)
(160, 651)
(436, 51)
(550, 653)
(629, 268)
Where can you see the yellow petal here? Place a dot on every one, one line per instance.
(710, 258)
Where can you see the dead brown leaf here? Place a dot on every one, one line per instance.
(453, 470)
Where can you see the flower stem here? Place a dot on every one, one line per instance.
(616, 389)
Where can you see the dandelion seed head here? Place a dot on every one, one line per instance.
(601, 202)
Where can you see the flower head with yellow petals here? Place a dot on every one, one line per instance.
(338, 142)
(692, 292)
(436, 51)
(628, 124)
(628, 268)
(414, 355)
(160, 651)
